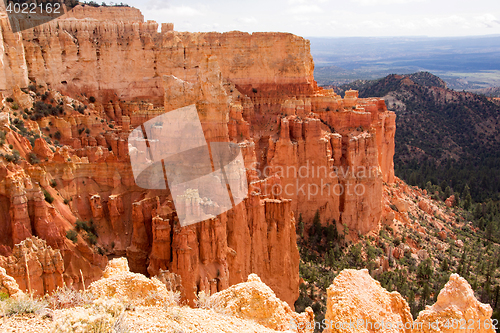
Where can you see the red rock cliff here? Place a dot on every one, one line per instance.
(306, 149)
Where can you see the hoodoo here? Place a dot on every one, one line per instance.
(306, 149)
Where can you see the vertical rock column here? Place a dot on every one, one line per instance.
(20, 220)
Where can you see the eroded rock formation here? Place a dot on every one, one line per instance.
(357, 303)
(254, 300)
(133, 288)
(456, 310)
(8, 285)
(36, 267)
(306, 149)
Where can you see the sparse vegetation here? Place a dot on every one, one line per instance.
(41, 109)
(88, 228)
(33, 159)
(432, 115)
(103, 316)
(72, 235)
(66, 297)
(325, 252)
(22, 305)
(14, 157)
(48, 197)
(206, 301)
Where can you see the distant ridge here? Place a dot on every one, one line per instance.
(443, 135)
(469, 62)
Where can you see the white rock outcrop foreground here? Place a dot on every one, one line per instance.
(456, 311)
(357, 303)
(255, 300)
(132, 288)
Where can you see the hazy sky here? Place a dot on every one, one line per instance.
(329, 17)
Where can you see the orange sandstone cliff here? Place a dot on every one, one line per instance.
(306, 149)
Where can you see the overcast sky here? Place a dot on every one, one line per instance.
(334, 18)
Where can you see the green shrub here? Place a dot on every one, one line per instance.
(33, 159)
(49, 198)
(91, 238)
(15, 106)
(72, 235)
(88, 227)
(80, 225)
(9, 100)
(92, 99)
(394, 208)
(53, 183)
(9, 158)
(41, 109)
(14, 157)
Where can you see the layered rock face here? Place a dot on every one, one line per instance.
(112, 50)
(305, 148)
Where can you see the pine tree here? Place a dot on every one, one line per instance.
(466, 197)
(426, 293)
(444, 265)
(301, 226)
(447, 192)
(316, 219)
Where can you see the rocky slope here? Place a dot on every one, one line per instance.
(87, 81)
(422, 243)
